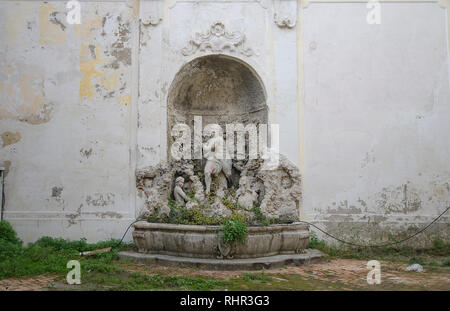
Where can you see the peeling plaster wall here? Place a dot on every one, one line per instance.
(363, 109)
(65, 119)
(376, 119)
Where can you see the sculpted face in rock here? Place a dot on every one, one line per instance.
(286, 182)
(178, 193)
(246, 196)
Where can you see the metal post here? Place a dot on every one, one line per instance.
(2, 191)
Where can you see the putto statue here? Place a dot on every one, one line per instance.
(178, 193)
(275, 192)
(216, 161)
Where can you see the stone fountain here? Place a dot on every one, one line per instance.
(216, 186)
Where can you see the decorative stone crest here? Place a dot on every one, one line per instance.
(285, 13)
(151, 21)
(151, 13)
(217, 39)
(284, 21)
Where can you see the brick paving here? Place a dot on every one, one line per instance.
(35, 283)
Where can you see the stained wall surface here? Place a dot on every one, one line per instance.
(363, 109)
(65, 119)
(376, 111)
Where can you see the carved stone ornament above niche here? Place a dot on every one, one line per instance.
(217, 40)
(150, 21)
(285, 13)
(151, 12)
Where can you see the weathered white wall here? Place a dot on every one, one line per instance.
(65, 99)
(376, 117)
(363, 109)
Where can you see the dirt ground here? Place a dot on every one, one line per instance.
(338, 274)
(347, 274)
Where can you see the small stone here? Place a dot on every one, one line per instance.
(415, 267)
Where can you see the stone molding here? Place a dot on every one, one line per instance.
(285, 13)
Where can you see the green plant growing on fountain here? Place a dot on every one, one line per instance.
(228, 204)
(196, 215)
(199, 212)
(192, 216)
(260, 218)
(234, 231)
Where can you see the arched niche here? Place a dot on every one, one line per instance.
(221, 89)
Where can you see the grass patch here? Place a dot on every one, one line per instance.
(137, 281)
(261, 277)
(50, 255)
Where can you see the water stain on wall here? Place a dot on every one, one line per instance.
(125, 100)
(10, 138)
(86, 153)
(71, 218)
(119, 51)
(56, 191)
(89, 67)
(344, 208)
(23, 99)
(100, 199)
(57, 18)
(100, 63)
(51, 28)
(400, 199)
(109, 215)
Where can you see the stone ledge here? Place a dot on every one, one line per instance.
(309, 257)
(145, 225)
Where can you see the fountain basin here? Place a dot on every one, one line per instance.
(196, 241)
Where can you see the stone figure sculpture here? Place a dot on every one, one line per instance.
(276, 192)
(216, 162)
(197, 187)
(178, 193)
(246, 197)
